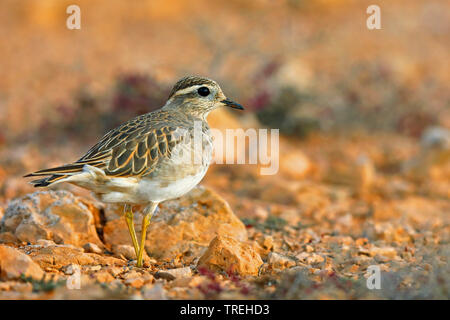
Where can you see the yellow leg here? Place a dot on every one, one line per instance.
(145, 222)
(130, 223)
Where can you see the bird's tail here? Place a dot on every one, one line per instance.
(55, 175)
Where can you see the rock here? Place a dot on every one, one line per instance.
(184, 226)
(227, 254)
(58, 256)
(258, 249)
(148, 278)
(135, 282)
(172, 274)
(436, 137)
(393, 233)
(115, 271)
(248, 209)
(280, 261)
(310, 258)
(261, 213)
(94, 268)
(70, 269)
(52, 215)
(14, 263)
(45, 243)
(267, 242)
(22, 287)
(89, 291)
(6, 286)
(124, 250)
(164, 275)
(92, 248)
(8, 238)
(387, 252)
(154, 292)
(131, 274)
(103, 277)
(192, 282)
(433, 160)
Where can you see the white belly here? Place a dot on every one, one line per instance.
(153, 190)
(145, 190)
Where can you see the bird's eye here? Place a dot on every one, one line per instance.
(203, 91)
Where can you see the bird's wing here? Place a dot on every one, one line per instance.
(132, 149)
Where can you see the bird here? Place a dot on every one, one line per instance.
(154, 157)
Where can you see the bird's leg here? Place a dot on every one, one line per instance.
(130, 223)
(148, 213)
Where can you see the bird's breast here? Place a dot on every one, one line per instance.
(180, 172)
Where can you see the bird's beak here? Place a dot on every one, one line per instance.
(232, 104)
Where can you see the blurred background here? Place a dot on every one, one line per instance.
(310, 68)
(364, 115)
(343, 96)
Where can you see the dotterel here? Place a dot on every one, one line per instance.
(154, 157)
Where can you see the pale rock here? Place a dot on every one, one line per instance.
(280, 261)
(388, 252)
(8, 238)
(346, 220)
(135, 282)
(22, 287)
(148, 278)
(89, 291)
(115, 271)
(433, 160)
(58, 256)
(92, 248)
(393, 233)
(94, 268)
(261, 213)
(191, 282)
(5, 286)
(14, 263)
(436, 137)
(154, 292)
(267, 242)
(314, 259)
(171, 274)
(258, 248)
(130, 275)
(310, 258)
(45, 243)
(124, 250)
(229, 255)
(264, 245)
(70, 269)
(51, 215)
(103, 277)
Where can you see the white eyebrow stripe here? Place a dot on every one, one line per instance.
(189, 89)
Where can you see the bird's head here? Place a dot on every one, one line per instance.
(198, 96)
